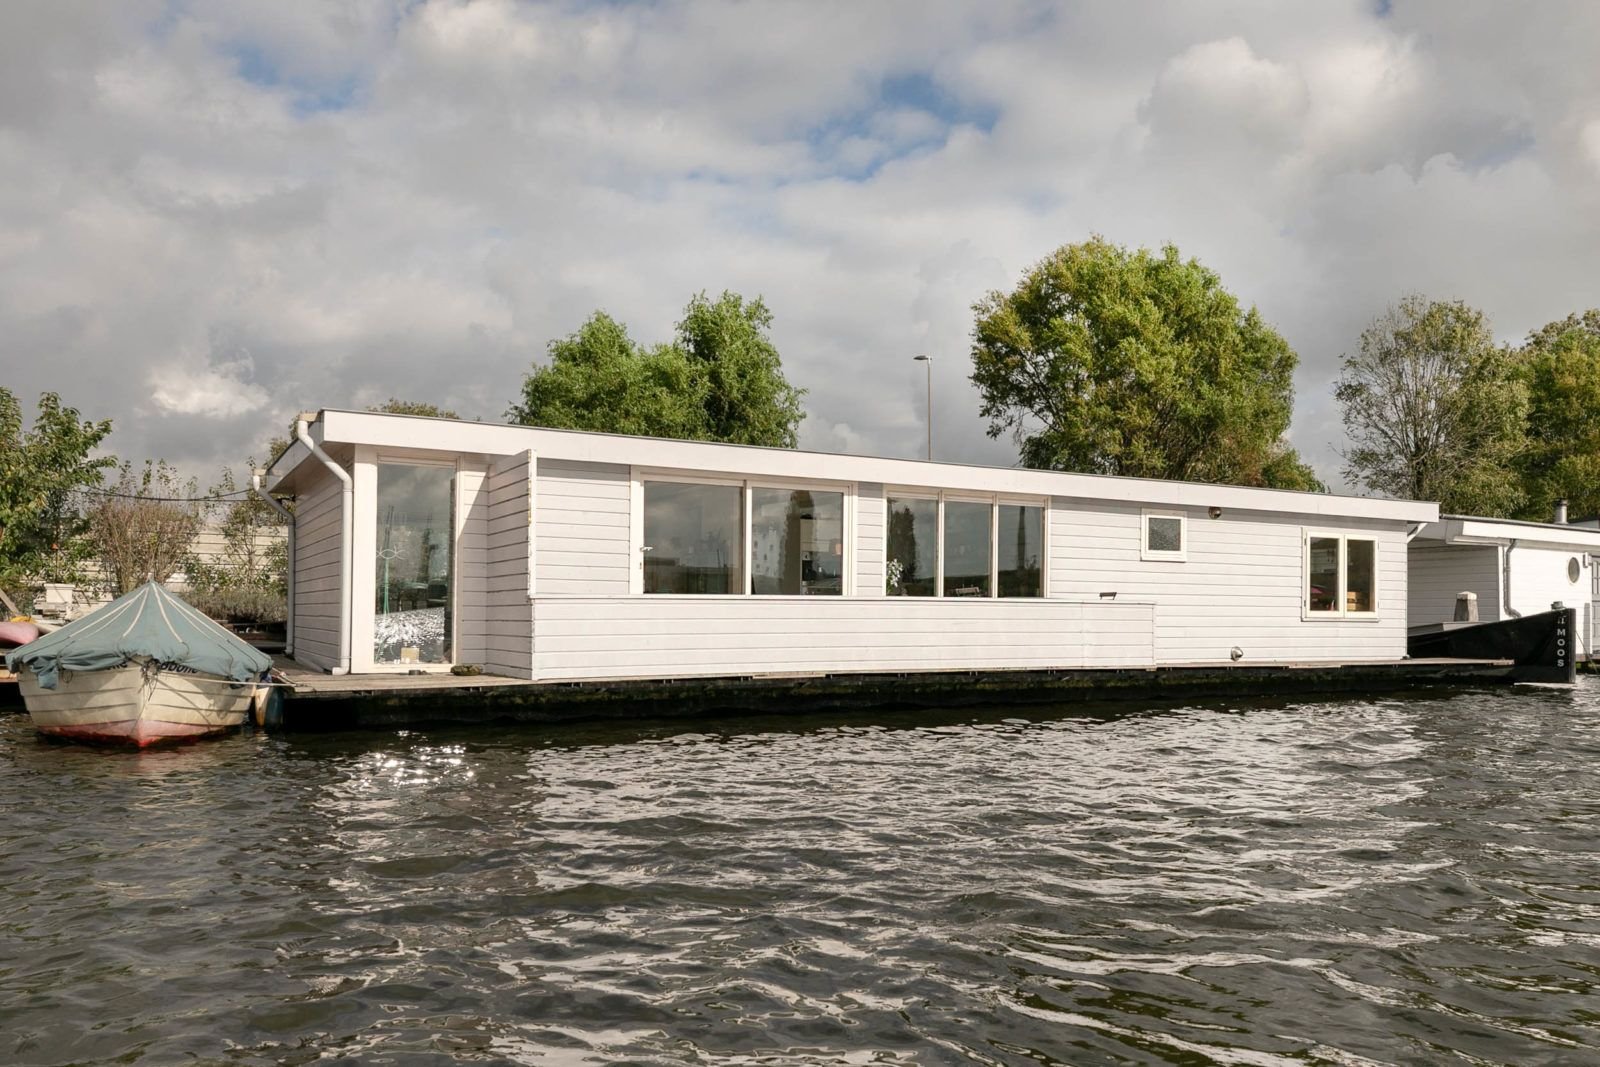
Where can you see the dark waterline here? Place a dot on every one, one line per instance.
(1393, 881)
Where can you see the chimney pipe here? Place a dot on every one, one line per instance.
(1561, 512)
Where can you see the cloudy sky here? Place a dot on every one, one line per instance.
(215, 214)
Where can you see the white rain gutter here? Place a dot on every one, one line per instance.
(288, 517)
(1505, 578)
(347, 524)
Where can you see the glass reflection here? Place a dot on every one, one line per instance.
(1021, 538)
(966, 548)
(695, 535)
(797, 542)
(913, 547)
(1322, 583)
(414, 564)
(1360, 575)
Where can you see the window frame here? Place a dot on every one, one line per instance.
(746, 484)
(993, 500)
(846, 521)
(1341, 598)
(1157, 555)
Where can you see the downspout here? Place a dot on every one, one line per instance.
(346, 532)
(1505, 579)
(288, 517)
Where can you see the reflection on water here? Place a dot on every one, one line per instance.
(1395, 881)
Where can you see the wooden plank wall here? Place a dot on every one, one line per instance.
(1239, 587)
(318, 529)
(1439, 572)
(676, 637)
(870, 539)
(583, 529)
(508, 611)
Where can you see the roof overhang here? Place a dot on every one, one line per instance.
(334, 428)
(1472, 530)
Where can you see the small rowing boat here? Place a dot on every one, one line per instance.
(146, 668)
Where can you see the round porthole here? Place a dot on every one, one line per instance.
(1574, 569)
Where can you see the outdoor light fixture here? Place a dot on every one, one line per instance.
(928, 362)
(1215, 513)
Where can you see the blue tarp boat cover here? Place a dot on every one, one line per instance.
(146, 622)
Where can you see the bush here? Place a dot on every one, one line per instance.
(240, 604)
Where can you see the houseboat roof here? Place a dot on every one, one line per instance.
(338, 431)
(1479, 530)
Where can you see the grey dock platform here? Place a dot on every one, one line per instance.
(319, 701)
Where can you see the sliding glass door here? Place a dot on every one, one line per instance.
(413, 604)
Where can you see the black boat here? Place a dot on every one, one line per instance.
(1542, 647)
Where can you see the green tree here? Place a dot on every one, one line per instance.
(719, 379)
(1107, 361)
(1560, 367)
(42, 469)
(747, 400)
(1434, 409)
(396, 406)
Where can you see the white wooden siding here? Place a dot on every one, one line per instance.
(869, 540)
(317, 595)
(583, 528)
(508, 613)
(671, 636)
(1240, 586)
(1539, 579)
(1439, 572)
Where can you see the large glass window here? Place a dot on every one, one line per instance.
(694, 537)
(413, 617)
(913, 548)
(966, 548)
(1322, 574)
(796, 542)
(1020, 549)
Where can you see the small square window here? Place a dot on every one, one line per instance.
(1165, 536)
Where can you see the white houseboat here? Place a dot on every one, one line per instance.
(1512, 569)
(564, 556)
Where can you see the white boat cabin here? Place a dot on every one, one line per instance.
(556, 555)
(1512, 568)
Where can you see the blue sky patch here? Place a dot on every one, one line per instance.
(856, 144)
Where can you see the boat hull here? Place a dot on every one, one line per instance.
(137, 705)
(1541, 647)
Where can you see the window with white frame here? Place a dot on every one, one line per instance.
(736, 538)
(796, 542)
(1341, 576)
(961, 546)
(1164, 536)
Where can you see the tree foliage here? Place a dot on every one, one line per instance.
(143, 528)
(719, 379)
(42, 469)
(396, 406)
(1434, 409)
(253, 554)
(1114, 362)
(1559, 365)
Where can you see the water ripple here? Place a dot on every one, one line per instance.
(1396, 881)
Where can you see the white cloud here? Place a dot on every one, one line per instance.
(209, 390)
(380, 198)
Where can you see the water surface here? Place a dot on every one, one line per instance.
(1391, 881)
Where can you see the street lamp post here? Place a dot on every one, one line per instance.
(927, 361)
